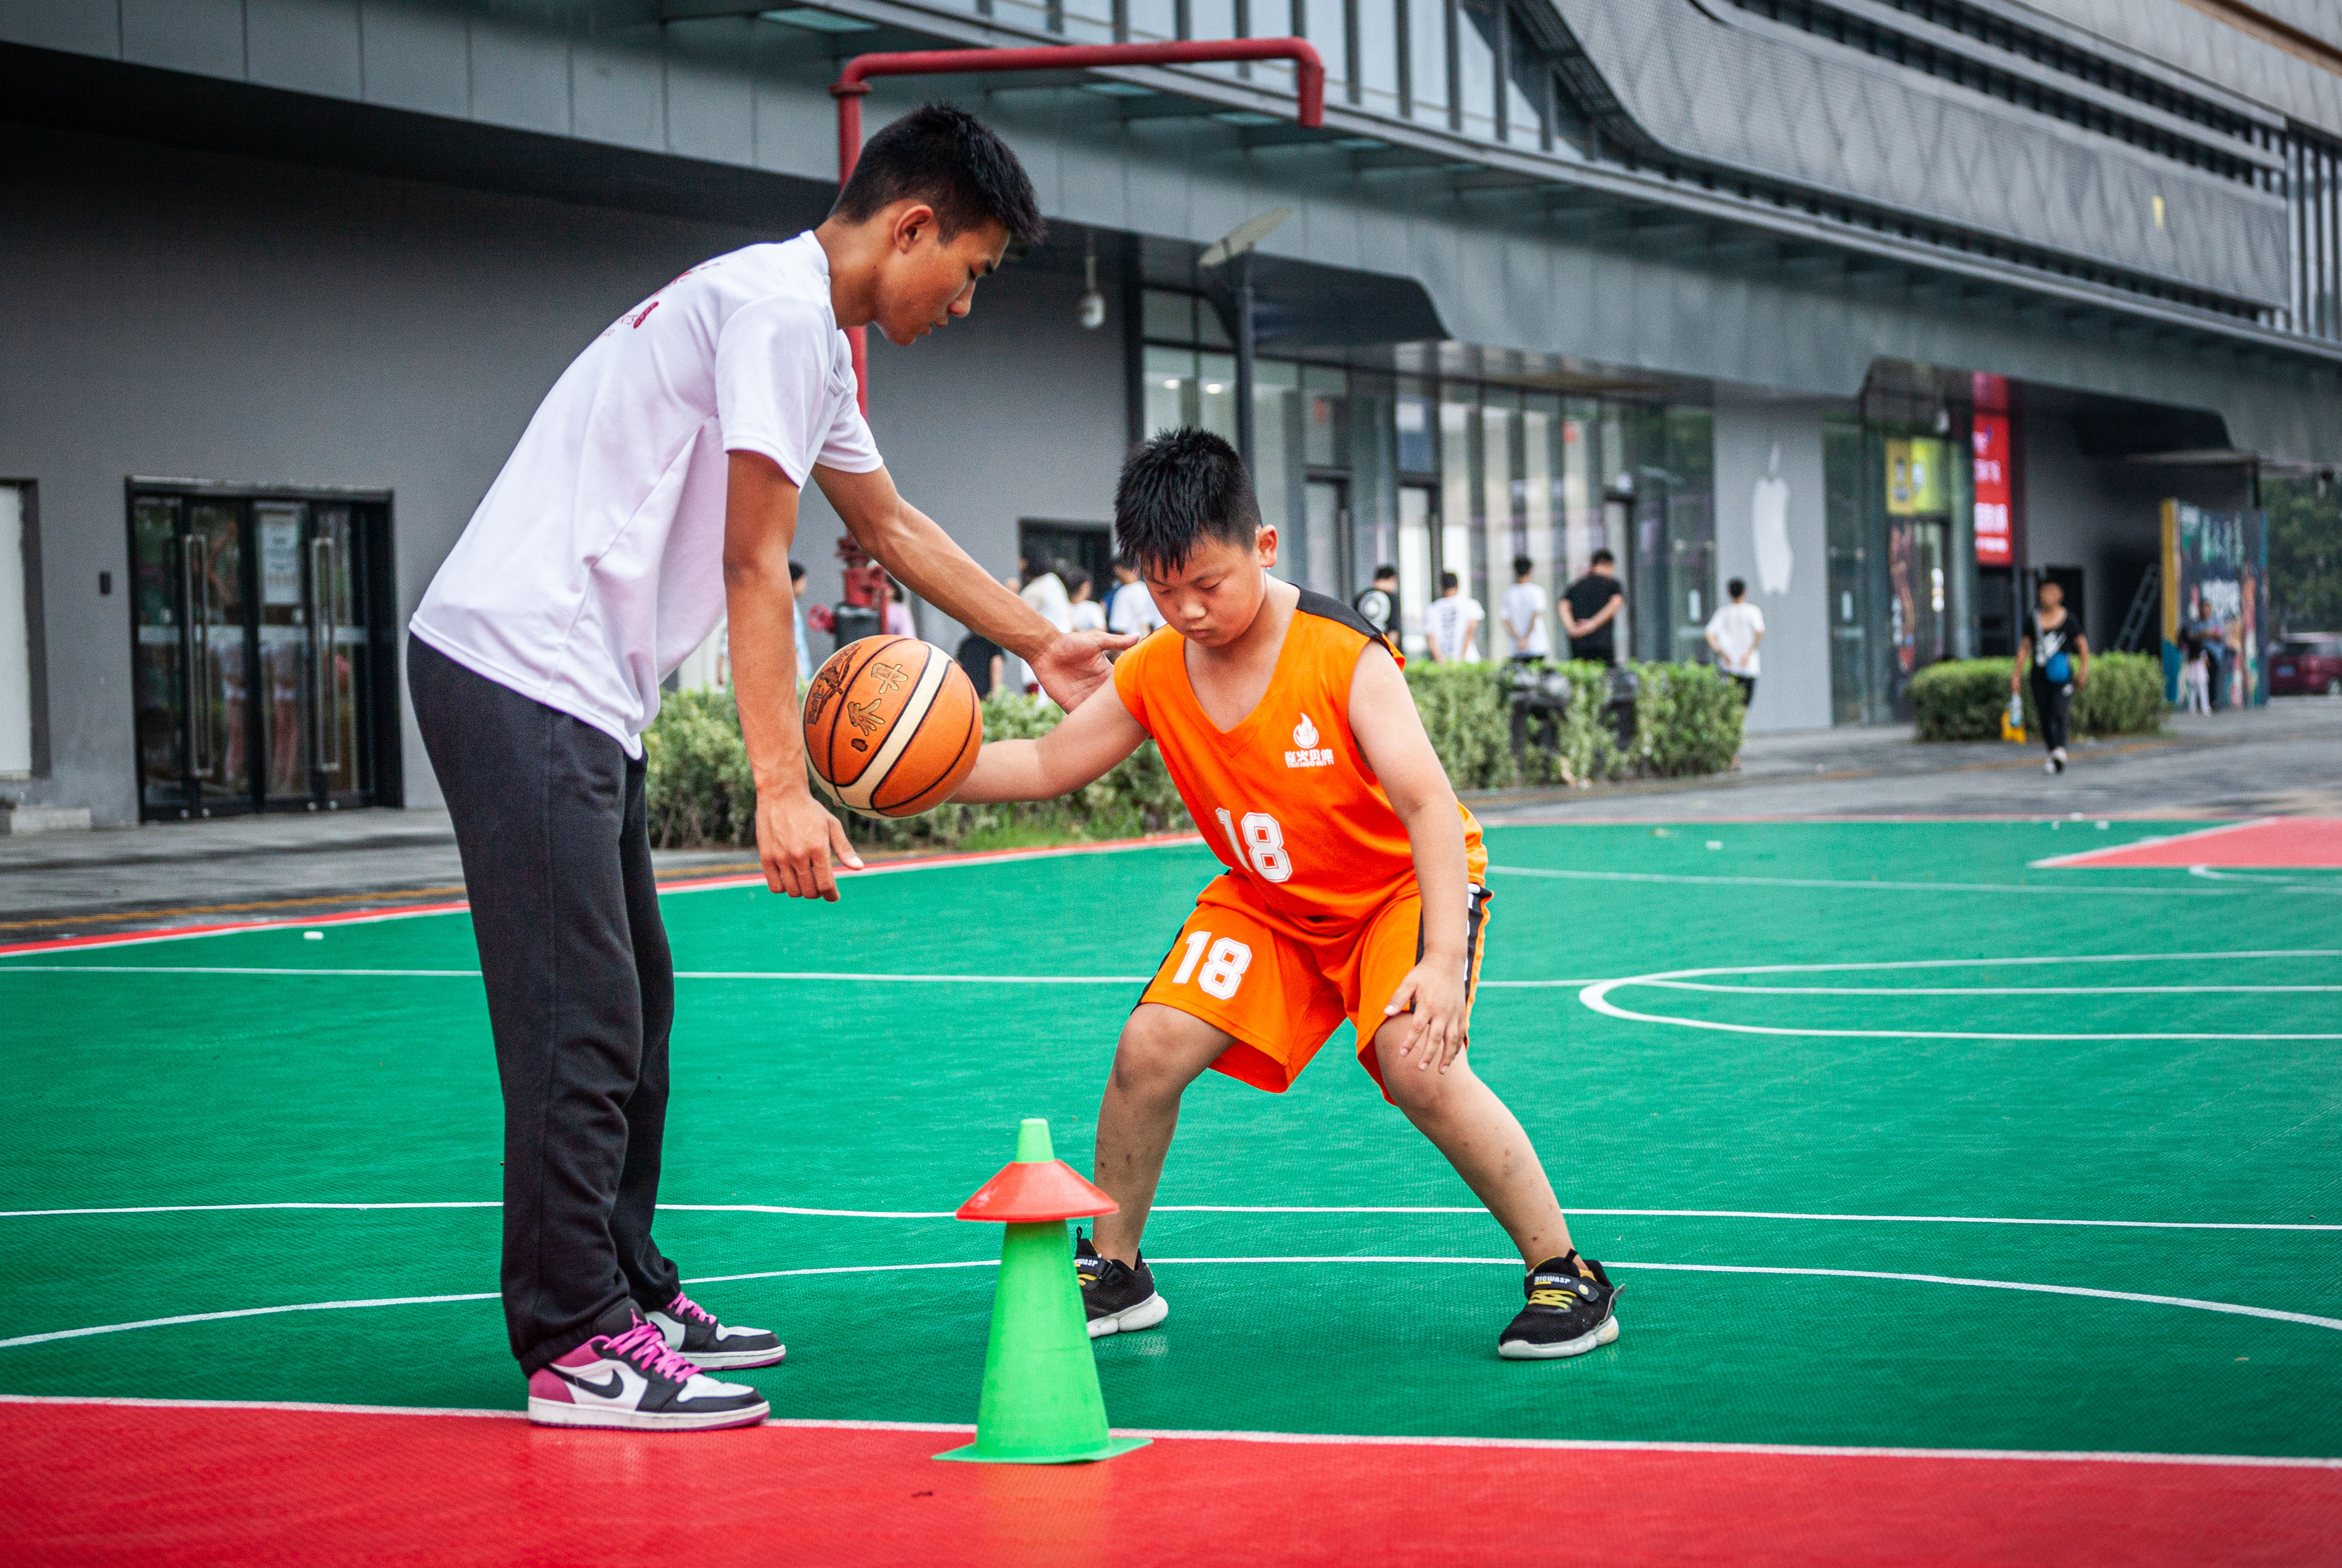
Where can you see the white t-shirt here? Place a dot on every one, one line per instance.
(1131, 608)
(1735, 627)
(596, 561)
(1447, 621)
(1525, 604)
(1087, 615)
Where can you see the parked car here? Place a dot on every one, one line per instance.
(2306, 664)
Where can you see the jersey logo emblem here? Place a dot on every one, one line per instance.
(1310, 754)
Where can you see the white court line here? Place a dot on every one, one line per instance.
(1978, 990)
(1248, 1208)
(1598, 997)
(857, 976)
(2232, 1308)
(1314, 1439)
(2060, 889)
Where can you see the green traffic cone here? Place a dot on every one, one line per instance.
(1041, 1402)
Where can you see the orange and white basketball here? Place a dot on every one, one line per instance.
(891, 725)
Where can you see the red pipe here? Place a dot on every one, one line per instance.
(849, 89)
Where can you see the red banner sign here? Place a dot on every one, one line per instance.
(1992, 543)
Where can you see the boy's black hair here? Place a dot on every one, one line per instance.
(1076, 579)
(795, 571)
(1383, 572)
(1523, 565)
(1449, 579)
(950, 160)
(1603, 559)
(1735, 587)
(1178, 489)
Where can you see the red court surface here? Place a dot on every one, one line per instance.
(99, 1484)
(2271, 843)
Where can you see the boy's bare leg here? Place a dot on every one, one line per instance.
(1161, 1052)
(1481, 1138)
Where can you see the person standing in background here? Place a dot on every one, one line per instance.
(1130, 608)
(1452, 624)
(1378, 603)
(895, 616)
(1734, 632)
(1589, 610)
(2060, 656)
(797, 585)
(1523, 611)
(1088, 615)
(1045, 591)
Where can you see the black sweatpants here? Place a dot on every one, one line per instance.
(549, 819)
(2055, 707)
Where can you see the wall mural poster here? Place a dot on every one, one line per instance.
(2216, 601)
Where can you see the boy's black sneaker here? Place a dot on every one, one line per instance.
(1118, 1298)
(1569, 1312)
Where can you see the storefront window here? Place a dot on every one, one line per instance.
(1459, 492)
(1168, 378)
(1850, 579)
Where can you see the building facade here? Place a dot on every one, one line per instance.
(1885, 306)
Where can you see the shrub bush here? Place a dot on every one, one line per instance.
(1687, 721)
(1962, 700)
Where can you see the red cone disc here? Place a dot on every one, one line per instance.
(1027, 1190)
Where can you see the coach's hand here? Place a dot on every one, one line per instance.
(795, 837)
(1074, 664)
(1435, 988)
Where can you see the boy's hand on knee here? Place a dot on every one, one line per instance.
(1435, 988)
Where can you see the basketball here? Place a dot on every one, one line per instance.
(891, 725)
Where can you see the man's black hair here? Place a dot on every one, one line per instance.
(1177, 490)
(1603, 559)
(947, 158)
(1735, 587)
(1383, 572)
(1449, 579)
(1523, 565)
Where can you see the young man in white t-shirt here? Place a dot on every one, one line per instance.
(1523, 608)
(657, 489)
(1451, 624)
(1130, 608)
(1734, 632)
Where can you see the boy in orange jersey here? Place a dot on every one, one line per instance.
(1354, 885)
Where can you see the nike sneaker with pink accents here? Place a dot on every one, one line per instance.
(692, 1328)
(625, 1378)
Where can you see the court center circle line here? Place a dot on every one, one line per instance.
(1596, 996)
(2235, 1309)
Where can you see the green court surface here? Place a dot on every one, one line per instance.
(1779, 1155)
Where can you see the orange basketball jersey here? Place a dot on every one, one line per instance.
(1284, 799)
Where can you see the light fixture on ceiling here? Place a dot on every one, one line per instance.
(1092, 311)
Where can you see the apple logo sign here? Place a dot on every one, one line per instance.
(1768, 511)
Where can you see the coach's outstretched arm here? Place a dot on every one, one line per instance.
(908, 543)
(1085, 744)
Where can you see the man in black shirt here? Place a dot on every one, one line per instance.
(1379, 604)
(1589, 610)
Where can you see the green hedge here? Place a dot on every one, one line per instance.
(1688, 722)
(701, 793)
(1963, 699)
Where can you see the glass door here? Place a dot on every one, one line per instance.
(219, 686)
(1418, 515)
(252, 657)
(158, 656)
(1326, 541)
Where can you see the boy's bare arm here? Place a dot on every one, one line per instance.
(1085, 744)
(1391, 742)
(909, 544)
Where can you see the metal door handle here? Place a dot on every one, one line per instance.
(327, 748)
(198, 651)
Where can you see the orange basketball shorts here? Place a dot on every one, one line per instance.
(1282, 990)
